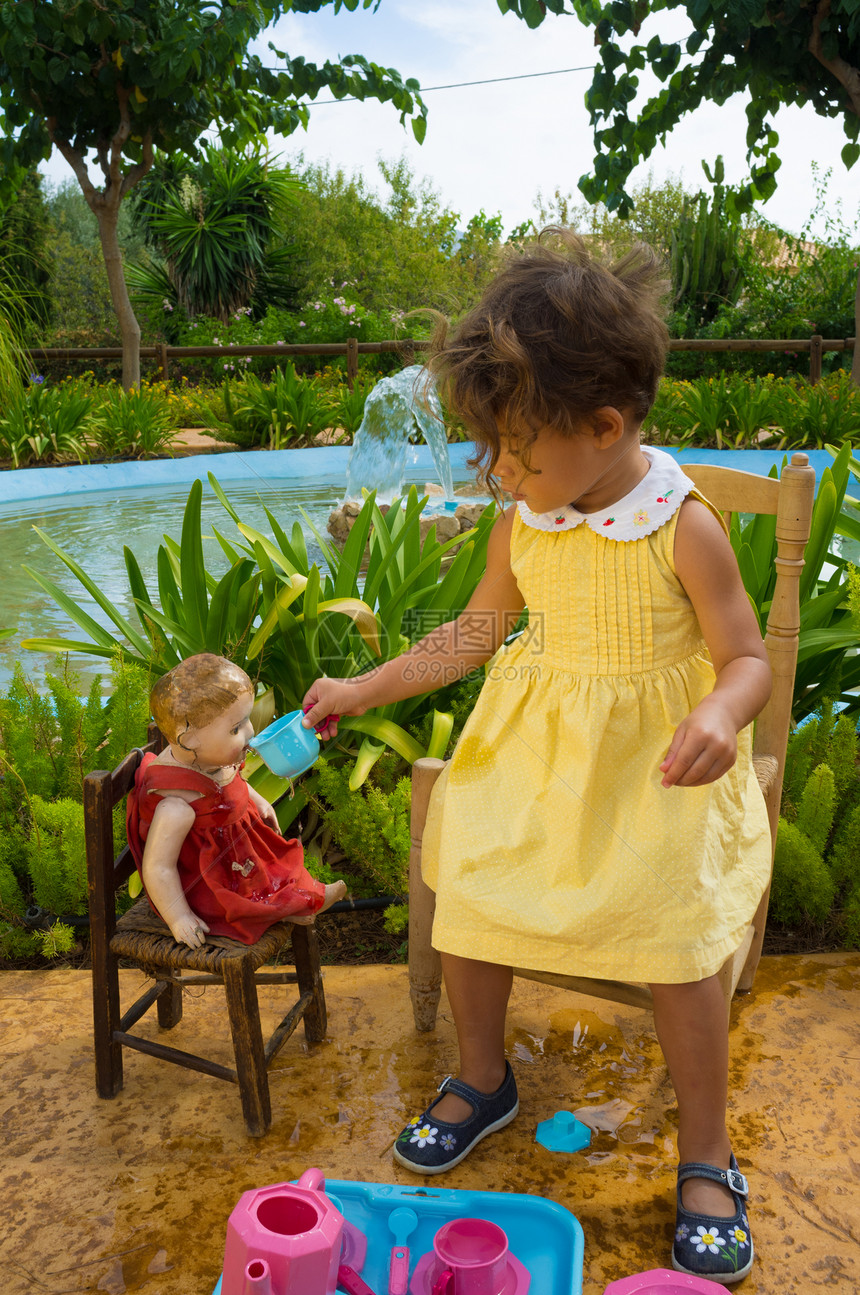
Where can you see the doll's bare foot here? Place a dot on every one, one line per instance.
(335, 891)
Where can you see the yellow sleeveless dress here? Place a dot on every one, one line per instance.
(550, 842)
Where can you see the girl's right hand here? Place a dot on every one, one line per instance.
(328, 699)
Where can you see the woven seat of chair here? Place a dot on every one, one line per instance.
(144, 938)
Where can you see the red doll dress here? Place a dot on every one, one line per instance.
(238, 874)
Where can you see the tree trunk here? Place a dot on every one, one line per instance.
(105, 206)
(108, 216)
(855, 366)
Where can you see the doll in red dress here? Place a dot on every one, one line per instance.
(208, 847)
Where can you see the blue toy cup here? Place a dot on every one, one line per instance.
(287, 747)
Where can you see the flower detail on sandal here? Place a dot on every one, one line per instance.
(424, 1136)
(708, 1239)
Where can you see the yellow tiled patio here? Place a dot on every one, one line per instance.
(133, 1194)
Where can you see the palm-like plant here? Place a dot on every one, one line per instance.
(216, 228)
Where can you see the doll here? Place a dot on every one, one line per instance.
(207, 845)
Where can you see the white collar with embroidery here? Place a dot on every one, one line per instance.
(652, 502)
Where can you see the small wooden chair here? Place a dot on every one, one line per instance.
(790, 498)
(141, 938)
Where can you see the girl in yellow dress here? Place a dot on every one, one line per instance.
(600, 814)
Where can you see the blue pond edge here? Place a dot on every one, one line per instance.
(41, 483)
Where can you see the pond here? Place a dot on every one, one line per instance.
(94, 526)
(92, 512)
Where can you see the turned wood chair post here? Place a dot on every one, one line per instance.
(425, 965)
(793, 524)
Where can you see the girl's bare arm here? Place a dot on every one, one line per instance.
(705, 744)
(171, 823)
(442, 656)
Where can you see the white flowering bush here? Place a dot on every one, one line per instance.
(331, 317)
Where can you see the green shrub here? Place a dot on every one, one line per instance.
(47, 745)
(815, 812)
(371, 825)
(851, 920)
(802, 885)
(135, 424)
(845, 857)
(16, 943)
(45, 425)
(57, 855)
(287, 411)
(817, 862)
(12, 902)
(55, 939)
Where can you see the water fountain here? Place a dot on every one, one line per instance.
(398, 407)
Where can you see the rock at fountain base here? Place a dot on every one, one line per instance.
(448, 525)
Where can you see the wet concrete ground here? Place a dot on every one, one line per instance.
(133, 1194)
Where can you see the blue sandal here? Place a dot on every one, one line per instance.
(428, 1146)
(720, 1250)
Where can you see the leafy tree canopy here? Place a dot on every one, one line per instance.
(399, 252)
(104, 75)
(777, 51)
(119, 78)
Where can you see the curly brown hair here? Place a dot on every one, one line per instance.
(556, 336)
(194, 692)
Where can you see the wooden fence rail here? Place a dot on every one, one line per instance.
(352, 348)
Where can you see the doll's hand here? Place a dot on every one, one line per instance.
(264, 809)
(704, 747)
(190, 930)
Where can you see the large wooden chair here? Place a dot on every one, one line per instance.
(140, 938)
(790, 498)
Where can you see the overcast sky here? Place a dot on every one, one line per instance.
(495, 147)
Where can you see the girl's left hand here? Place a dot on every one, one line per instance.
(704, 747)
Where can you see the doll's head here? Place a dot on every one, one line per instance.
(203, 707)
(556, 336)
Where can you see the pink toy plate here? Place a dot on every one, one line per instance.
(664, 1281)
(429, 1267)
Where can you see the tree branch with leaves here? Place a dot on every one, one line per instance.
(120, 79)
(775, 52)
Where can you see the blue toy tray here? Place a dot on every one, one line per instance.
(544, 1236)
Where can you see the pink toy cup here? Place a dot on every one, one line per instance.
(471, 1258)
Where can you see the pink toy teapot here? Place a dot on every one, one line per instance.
(289, 1239)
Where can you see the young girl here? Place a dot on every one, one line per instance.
(600, 815)
(208, 847)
